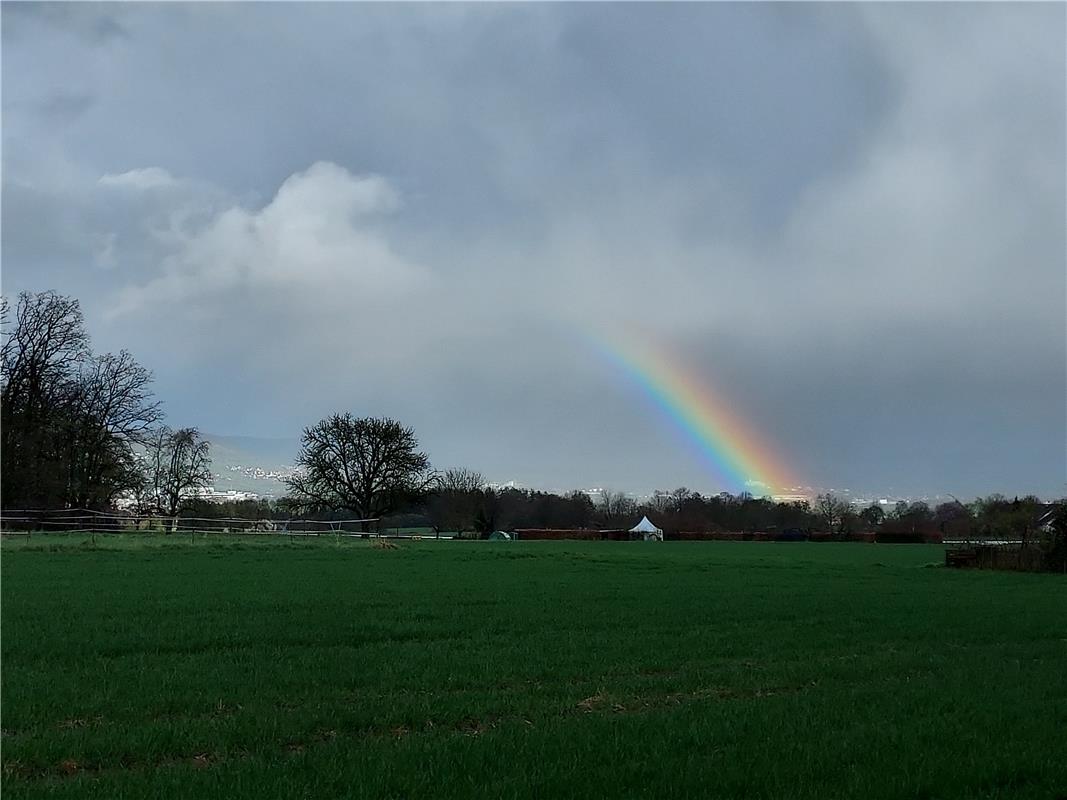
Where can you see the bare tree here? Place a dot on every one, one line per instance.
(110, 410)
(42, 349)
(365, 465)
(616, 508)
(831, 512)
(69, 420)
(455, 499)
(177, 461)
(460, 480)
(953, 519)
(872, 516)
(661, 501)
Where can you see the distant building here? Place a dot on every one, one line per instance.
(212, 495)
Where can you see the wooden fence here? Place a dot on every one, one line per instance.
(22, 522)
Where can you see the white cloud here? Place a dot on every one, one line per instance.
(316, 240)
(139, 179)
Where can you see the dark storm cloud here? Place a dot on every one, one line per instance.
(849, 219)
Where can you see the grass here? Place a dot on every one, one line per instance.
(251, 668)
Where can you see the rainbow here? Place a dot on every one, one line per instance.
(737, 456)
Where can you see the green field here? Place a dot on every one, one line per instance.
(253, 668)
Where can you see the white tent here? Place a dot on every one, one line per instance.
(648, 531)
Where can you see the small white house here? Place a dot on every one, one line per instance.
(648, 531)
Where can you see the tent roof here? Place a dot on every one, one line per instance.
(644, 526)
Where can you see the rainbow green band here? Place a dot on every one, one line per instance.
(737, 457)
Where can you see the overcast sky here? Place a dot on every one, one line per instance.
(847, 219)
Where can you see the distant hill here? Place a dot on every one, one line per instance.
(252, 463)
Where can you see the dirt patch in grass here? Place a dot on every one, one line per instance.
(79, 722)
(635, 704)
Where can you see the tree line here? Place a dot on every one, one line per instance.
(79, 430)
(460, 502)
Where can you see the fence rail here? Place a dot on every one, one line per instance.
(80, 520)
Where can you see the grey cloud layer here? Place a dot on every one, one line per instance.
(849, 219)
